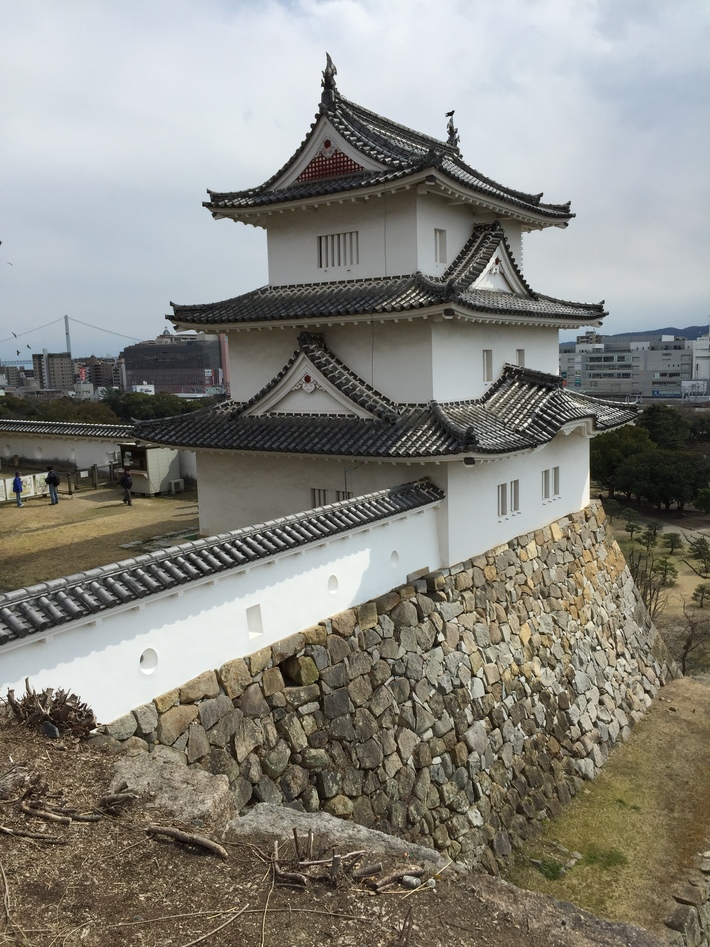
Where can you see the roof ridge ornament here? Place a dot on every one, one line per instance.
(453, 138)
(327, 98)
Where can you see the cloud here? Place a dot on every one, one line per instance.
(117, 116)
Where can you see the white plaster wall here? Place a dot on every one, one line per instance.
(457, 354)
(434, 212)
(205, 624)
(395, 358)
(387, 239)
(242, 489)
(472, 495)
(80, 452)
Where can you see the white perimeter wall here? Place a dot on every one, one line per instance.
(80, 452)
(473, 524)
(75, 452)
(203, 625)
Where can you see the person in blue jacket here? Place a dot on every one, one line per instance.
(17, 487)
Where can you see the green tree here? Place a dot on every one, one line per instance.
(673, 542)
(666, 426)
(702, 500)
(609, 451)
(699, 551)
(652, 574)
(701, 593)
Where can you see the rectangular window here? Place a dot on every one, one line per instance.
(342, 495)
(502, 499)
(546, 484)
(318, 497)
(550, 483)
(520, 357)
(338, 249)
(439, 246)
(488, 364)
(514, 496)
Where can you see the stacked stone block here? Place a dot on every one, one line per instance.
(456, 711)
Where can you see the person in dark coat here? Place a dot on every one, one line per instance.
(17, 487)
(126, 482)
(52, 481)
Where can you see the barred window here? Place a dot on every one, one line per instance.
(440, 246)
(318, 497)
(338, 249)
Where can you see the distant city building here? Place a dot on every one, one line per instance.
(653, 366)
(178, 364)
(53, 370)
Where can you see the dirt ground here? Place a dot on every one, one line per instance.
(90, 528)
(639, 825)
(108, 882)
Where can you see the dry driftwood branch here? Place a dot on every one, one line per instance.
(20, 833)
(351, 856)
(187, 839)
(367, 870)
(113, 802)
(39, 813)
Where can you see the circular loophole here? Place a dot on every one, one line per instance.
(333, 584)
(394, 558)
(149, 660)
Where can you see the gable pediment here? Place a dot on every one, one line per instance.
(326, 155)
(303, 389)
(500, 275)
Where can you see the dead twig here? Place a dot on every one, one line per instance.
(19, 833)
(6, 894)
(187, 839)
(214, 931)
(286, 877)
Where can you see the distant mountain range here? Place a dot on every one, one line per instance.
(690, 332)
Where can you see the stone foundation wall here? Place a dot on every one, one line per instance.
(457, 711)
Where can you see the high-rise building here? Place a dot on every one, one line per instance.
(181, 364)
(53, 370)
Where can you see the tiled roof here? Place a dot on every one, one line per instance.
(521, 410)
(400, 151)
(51, 604)
(67, 429)
(310, 302)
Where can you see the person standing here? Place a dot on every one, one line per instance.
(126, 482)
(17, 487)
(52, 481)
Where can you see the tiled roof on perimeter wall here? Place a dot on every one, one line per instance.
(68, 429)
(54, 603)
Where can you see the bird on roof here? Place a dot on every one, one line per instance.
(449, 114)
(18, 351)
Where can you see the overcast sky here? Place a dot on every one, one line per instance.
(116, 115)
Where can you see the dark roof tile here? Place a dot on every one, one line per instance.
(33, 610)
